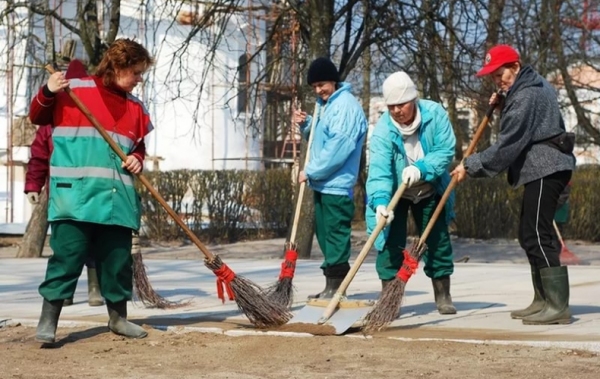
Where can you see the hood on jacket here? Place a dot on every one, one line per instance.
(526, 77)
(76, 69)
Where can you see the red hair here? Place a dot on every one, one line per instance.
(122, 54)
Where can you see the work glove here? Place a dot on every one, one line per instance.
(381, 211)
(33, 197)
(411, 175)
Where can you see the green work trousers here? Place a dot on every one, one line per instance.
(333, 219)
(110, 247)
(438, 258)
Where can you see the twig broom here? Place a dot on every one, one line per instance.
(282, 292)
(250, 298)
(141, 283)
(339, 294)
(387, 308)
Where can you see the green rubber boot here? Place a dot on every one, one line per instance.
(94, 296)
(441, 292)
(331, 287)
(538, 297)
(46, 328)
(118, 324)
(555, 282)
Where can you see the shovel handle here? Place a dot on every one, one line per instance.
(454, 181)
(335, 300)
(142, 178)
(303, 184)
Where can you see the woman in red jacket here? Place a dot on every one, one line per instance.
(93, 206)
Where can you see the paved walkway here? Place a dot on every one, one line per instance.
(484, 294)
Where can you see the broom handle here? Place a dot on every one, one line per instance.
(454, 181)
(335, 300)
(209, 256)
(303, 184)
(562, 242)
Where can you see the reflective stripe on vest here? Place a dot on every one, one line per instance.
(68, 131)
(90, 172)
(87, 182)
(80, 83)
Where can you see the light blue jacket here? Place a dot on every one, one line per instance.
(387, 160)
(335, 152)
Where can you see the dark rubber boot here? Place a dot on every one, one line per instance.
(68, 302)
(46, 328)
(555, 282)
(538, 297)
(94, 296)
(331, 287)
(118, 324)
(441, 292)
(334, 276)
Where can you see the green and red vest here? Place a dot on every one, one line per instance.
(87, 182)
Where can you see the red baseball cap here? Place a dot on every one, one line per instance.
(497, 57)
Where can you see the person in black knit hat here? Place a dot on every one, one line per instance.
(339, 131)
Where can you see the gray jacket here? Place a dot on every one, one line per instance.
(530, 115)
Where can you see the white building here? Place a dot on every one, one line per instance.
(191, 93)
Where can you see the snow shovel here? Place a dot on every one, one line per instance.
(340, 313)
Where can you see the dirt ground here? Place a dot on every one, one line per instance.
(96, 353)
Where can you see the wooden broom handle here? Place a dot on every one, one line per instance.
(209, 256)
(335, 300)
(303, 184)
(558, 234)
(454, 181)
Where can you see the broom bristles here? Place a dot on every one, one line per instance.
(143, 289)
(387, 308)
(282, 292)
(253, 301)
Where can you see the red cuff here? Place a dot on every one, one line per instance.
(140, 158)
(44, 101)
(32, 187)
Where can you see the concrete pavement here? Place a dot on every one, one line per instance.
(484, 294)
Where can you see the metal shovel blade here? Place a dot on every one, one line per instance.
(347, 313)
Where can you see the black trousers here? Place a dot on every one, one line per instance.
(536, 232)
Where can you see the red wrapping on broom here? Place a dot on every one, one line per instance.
(288, 267)
(409, 267)
(224, 278)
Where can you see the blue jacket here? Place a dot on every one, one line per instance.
(387, 160)
(336, 146)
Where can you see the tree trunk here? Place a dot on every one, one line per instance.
(36, 231)
(320, 18)
(359, 188)
(37, 228)
(306, 222)
(447, 49)
(496, 10)
(50, 50)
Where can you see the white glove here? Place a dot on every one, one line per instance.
(382, 211)
(33, 197)
(411, 175)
